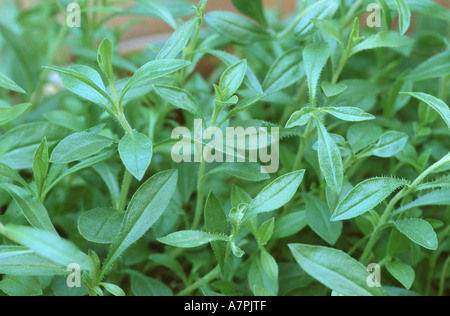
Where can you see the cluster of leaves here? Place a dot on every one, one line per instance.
(86, 173)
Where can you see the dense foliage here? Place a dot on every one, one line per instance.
(357, 116)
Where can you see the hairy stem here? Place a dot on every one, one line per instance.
(200, 195)
(214, 274)
(398, 197)
(126, 183)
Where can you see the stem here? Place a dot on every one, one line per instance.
(349, 17)
(400, 195)
(200, 194)
(443, 277)
(302, 148)
(126, 183)
(214, 274)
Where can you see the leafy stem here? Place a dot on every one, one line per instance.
(214, 274)
(398, 197)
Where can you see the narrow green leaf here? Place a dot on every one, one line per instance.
(153, 70)
(350, 114)
(363, 135)
(113, 289)
(235, 27)
(382, 39)
(178, 40)
(216, 222)
(290, 224)
(142, 285)
(275, 195)
(300, 118)
(160, 10)
(232, 79)
(435, 67)
(147, 205)
(269, 264)
(334, 269)
(33, 210)
(79, 146)
(438, 105)
(136, 151)
(315, 57)
(265, 232)
(48, 245)
(328, 28)
(21, 285)
(18, 260)
(180, 98)
(330, 159)
(404, 14)
(365, 196)
(389, 144)
(40, 165)
(250, 171)
(7, 83)
(191, 238)
(8, 114)
(438, 197)
(104, 58)
(285, 71)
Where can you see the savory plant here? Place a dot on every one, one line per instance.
(93, 203)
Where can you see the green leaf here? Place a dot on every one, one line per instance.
(315, 57)
(253, 9)
(323, 9)
(402, 272)
(100, 225)
(216, 222)
(8, 114)
(438, 105)
(269, 264)
(249, 171)
(160, 10)
(328, 28)
(40, 165)
(331, 90)
(48, 245)
(19, 145)
(365, 196)
(290, 224)
(180, 98)
(79, 146)
(265, 232)
(177, 42)
(142, 285)
(86, 83)
(235, 27)
(113, 289)
(318, 216)
(18, 260)
(191, 238)
(136, 151)
(404, 14)
(104, 58)
(300, 118)
(21, 285)
(389, 144)
(363, 135)
(7, 172)
(330, 159)
(334, 269)
(153, 70)
(285, 71)
(250, 80)
(418, 231)
(382, 39)
(438, 197)
(33, 210)
(435, 67)
(146, 207)
(7, 83)
(350, 114)
(275, 195)
(232, 79)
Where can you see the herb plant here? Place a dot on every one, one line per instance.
(356, 115)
